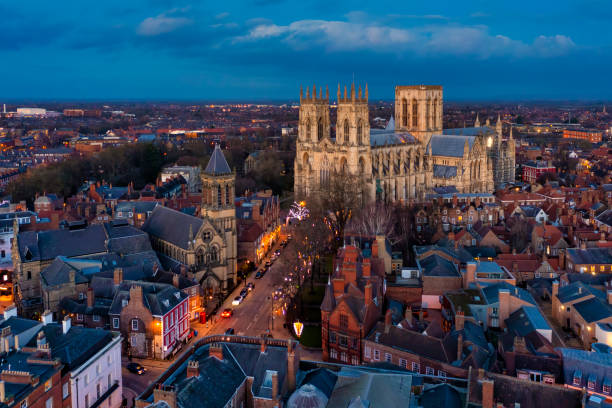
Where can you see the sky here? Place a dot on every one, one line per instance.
(258, 50)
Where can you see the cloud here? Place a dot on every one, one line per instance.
(161, 24)
(431, 40)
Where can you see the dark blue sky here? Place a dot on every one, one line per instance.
(264, 49)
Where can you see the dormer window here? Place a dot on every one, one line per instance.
(577, 380)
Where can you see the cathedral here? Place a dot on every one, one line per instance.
(407, 159)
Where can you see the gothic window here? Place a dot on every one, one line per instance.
(343, 166)
(214, 254)
(346, 130)
(415, 113)
(361, 166)
(360, 132)
(206, 235)
(200, 257)
(343, 321)
(320, 129)
(219, 195)
(404, 112)
(308, 129)
(227, 195)
(435, 113)
(427, 112)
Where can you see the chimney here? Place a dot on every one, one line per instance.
(118, 276)
(504, 304)
(368, 293)
(47, 317)
(2, 392)
(175, 280)
(460, 347)
(555, 288)
(366, 268)
(166, 394)
(487, 393)
(90, 297)
(17, 347)
(262, 344)
(519, 345)
(193, 368)
(66, 324)
(408, 313)
(583, 244)
(609, 294)
(136, 294)
(388, 321)
(602, 236)
(291, 372)
(338, 284)
(274, 385)
(470, 274)
(216, 350)
(459, 320)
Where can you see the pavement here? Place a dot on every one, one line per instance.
(253, 317)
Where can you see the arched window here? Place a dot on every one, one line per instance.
(346, 130)
(219, 195)
(320, 129)
(213, 254)
(435, 113)
(359, 132)
(427, 112)
(343, 167)
(308, 130)
(361, 166)
(227, 194)
(404, 113)
(415, 113)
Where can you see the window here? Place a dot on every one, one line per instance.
(387, 357)
(367, 352)
(354, 341)
(343, 357)
(110, 380)
(549, 379)
(98, 368)
(48, 385)
(86, 400)
(376, 355)
(441, 373)
(24, 403)
(430, 371)
(343, 341)
(79, 317)
(333, 354)
(81, 296)
(606, 388)
(343, 321)
(134, 324)
(416, 367)
(96, 318)
(86, 379)
(49, 403)
(577, 380)
(591, 382)
(403, 363)
(354, 360)
(332, 337)
(115, 322)
(537, 377)
(98, 391)
(65, 390)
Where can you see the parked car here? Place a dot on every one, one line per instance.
(277, 252)
(226, 313)
(237, 300)
(259, 275)
(229, 331)
(250, 286)
(244, 292)
(136, 368)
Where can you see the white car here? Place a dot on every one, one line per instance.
(237, 300)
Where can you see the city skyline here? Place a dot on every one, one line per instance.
(263, 50)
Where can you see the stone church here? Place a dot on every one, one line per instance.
(206, 245)
(408, 158)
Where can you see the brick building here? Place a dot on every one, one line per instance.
(352, 304)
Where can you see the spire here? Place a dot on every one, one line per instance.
(329, 301)
(510, 137)
(366, 92)
(477, 121)
(339, 92)
(327, 92)
(345, 94)
(314, 92)
(320, 93)
(488, 123)
(353, 91)
(307, 93)
(359, 92)
(301, 92)
(217, 165)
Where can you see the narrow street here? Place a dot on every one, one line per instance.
(253, 317)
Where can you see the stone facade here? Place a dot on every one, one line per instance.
(405, 160)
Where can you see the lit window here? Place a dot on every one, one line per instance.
(403, 363)
(376, 355)
(96, 318)
(387, 357)
(115, 322)
(48, 385)
(430, 371)
(366, 352)
(441, 373)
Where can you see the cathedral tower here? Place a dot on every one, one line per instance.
(418, 110)
(353, 122)
(314, 122)
(218, 189)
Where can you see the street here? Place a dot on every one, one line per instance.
(251, 318)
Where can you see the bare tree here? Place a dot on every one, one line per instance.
(377, 219)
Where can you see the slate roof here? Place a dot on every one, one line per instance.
(172, 226)
(58, 272)
(217, 165)
(75, 347)
(159, 298)
(18, 325)
(441, 395)
(359, 388)
(17, 361)
(491, 292)
(385, 137)
(590, 256)
(605, 217)
(577, 290)
(442, 171)
(525, 320)
(589, 364)
(435, 265)
(593, 309)
(450, 145)
(469, 131)
(136, 206)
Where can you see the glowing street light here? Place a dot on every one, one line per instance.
(298, 327)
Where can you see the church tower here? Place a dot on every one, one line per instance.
(218, 190)
(353, 122)
(418, 110)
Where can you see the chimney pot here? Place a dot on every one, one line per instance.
(66, 324)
